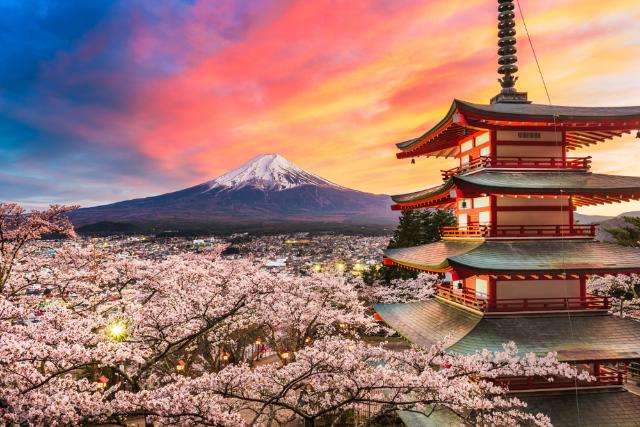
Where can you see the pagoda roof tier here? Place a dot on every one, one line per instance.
(582, 338)
(519, 257)
(431, 197)
(431, 257)
(584, 125)
(588, 188)
(585, 408)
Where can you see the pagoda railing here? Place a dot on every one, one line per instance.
(463, 297)
(508, 305)
(505, 231)
(606, 377)
(579, 163)
(588, 302)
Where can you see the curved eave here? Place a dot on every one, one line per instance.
(440, 268)
(446, 121)
(432, 257)
(439, 196)
(441, 140)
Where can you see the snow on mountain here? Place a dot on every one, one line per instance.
(269, 172)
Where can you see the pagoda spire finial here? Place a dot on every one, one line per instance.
(507, 58)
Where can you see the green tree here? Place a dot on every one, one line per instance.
(415, 227)
(628, 235)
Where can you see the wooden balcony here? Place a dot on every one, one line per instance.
(465, 298)
(470, 300)
(576, 163)
(507, 231)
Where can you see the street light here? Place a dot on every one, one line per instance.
(285, 355)
(180, 367)
(225, 357)
(117, 330)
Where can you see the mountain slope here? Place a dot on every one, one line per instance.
(266, 191)
(614, 222)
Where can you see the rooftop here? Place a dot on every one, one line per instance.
(538, 256)
(588, 188)
(574, 338)
(584, 125)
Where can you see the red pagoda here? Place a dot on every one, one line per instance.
(517, 262)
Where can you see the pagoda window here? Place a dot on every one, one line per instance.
(481, 202)
(483, 138)
(485, 151)
(484, 218)
(482, 287)
(464, 160)
(466, 146)
(463, 220)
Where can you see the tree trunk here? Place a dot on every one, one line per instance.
(621, 307)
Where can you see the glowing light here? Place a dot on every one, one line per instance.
(341, 266)
(317, 268)
(180, 367)
(102, 382)
(117, 330)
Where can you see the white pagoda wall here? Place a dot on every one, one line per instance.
(506, 289)
(503, 150)
(533, 217)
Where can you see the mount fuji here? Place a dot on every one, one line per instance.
(268, 193)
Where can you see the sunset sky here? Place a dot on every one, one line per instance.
(108, 100)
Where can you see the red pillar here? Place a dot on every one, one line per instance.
(491, 293)
(583, 287)
(493, 204)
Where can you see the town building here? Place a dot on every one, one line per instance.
(517, 262)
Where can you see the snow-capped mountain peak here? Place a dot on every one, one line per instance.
(268, 172)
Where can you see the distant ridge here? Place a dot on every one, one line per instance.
(267, 193)
(614, 222)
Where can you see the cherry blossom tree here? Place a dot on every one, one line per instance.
(298, 310)
(419, 288)
(18, 228)
(624, 290)
(120, 337)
